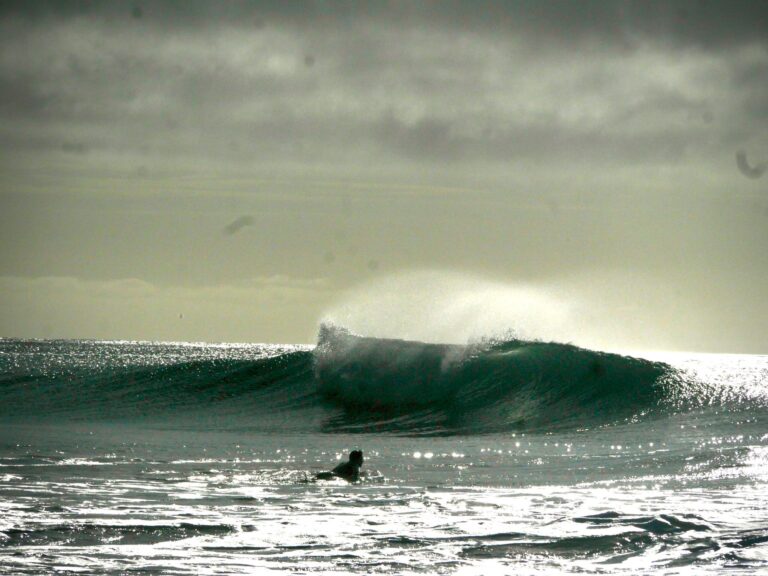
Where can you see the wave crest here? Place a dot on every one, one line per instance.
(401, 385)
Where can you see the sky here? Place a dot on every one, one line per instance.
(589, 172)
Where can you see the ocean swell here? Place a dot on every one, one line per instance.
(347, 383)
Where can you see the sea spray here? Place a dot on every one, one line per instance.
(449, 307)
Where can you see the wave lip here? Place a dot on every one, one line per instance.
(415, 387)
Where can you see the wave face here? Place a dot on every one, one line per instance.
(347, 383)
(493, 387)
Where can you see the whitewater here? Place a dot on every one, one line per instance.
(505, 455)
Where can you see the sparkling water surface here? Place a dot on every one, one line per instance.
(676, 493)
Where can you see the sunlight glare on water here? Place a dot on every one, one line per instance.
(213, 482)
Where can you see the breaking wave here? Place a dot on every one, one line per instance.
(353, 383)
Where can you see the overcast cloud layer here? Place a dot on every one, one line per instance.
(200, 148)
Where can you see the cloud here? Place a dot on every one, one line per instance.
(703, 23)
(283, 281)
(448, 82)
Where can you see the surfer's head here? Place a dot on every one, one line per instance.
(356, 457)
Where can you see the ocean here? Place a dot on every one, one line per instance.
(500, 456)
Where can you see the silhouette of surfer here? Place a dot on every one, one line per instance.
(349, 470)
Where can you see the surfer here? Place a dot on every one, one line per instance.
(350, 470)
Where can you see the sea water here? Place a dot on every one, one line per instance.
(507, 457)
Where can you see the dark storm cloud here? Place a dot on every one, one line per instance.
(706, 23)
(343, 82)
(21, 96)
(433, 139)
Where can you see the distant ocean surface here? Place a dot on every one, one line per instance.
(505, 456)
